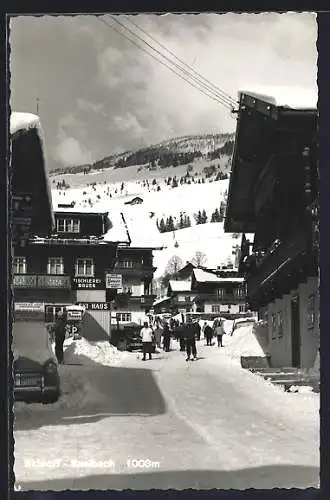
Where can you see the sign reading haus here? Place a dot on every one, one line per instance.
(87, 283)
(96, 306)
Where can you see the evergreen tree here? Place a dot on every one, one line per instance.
(181, 222)
(162, 226)
(170, 224)
(188, 222)
(204, 217)
(174, 183)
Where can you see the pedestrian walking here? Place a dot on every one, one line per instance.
(166, 338)
(208, 334)
(147, 339)
(190, 337)
(198, 330)
(219, 332)
(158, 335)
(59, 331)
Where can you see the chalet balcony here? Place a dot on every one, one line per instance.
(125, 299)
(227, 298)
(45, 281)
(138, 270)
(274, 270)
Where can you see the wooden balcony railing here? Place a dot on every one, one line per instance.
(38, 281)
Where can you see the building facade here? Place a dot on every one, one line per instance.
(202, 291)
(273, 194)
(216, 294)
(135, 298)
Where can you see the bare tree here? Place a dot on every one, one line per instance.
(174, 265)
(199, 259)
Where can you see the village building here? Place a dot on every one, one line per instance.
(273, 194)
(203, 291)
(181, 295)
(215, 294)
(81, 263)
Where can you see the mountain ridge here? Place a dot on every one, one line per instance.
(170, 152)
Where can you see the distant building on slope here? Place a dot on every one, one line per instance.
(134, 201)
(273, 194)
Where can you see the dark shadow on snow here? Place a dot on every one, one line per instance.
(267, 477)
(112, 391)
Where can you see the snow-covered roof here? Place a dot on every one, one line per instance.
(292, 97)
(205, 277)
(20, 122)
(180, 285)
(118, 231)
(23, 121)
(142, 230)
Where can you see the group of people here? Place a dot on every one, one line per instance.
(185, 333)
(217, 331)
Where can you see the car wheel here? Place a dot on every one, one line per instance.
(51, 398)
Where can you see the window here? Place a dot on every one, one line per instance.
(280, 324)
(55, 265)
(84, 267)
(221, 293)
(274, 326)
(127, 264)
(124, 317)
(68, 225)
(187, 298)
(238, 292)
(215, 309)
(242, 308)
(19, 265)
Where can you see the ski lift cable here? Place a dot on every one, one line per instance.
(207, 87)
(226, 96)
(230, 108)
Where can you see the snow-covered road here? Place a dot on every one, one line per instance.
(166, 424)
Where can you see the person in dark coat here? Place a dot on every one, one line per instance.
(208, 334)
(190, 337)
(198, 330)
(59, 331)
(166, 338)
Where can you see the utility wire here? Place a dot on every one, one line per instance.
(216, 99)
(207, 87)
(226, 96)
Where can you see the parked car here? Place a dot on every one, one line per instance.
(127, 338)
(35, 367)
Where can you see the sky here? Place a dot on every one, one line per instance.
(100, 94)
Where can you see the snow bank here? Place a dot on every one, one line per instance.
(243, 342)
(101, 352)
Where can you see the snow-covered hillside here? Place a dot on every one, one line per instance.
(159, 200)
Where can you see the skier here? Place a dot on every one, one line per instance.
(198, 330)
(59, 331)
(208, 334)
(166, 338)
(189, 334)
(219, 331)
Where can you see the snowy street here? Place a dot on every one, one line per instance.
(166, 423)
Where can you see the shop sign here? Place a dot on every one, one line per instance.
(96, 306)
(114, 281)
(87, 283)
